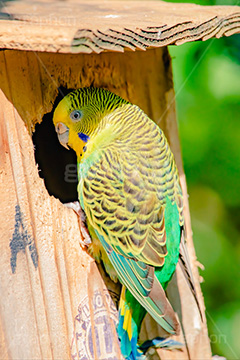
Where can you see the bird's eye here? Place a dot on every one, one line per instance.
(76, 115)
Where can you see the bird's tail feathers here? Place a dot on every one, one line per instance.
(128, 327)
(131, 314)
(161, 310)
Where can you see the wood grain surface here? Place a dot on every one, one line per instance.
(96, 26)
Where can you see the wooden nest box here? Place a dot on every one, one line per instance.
(55, 302)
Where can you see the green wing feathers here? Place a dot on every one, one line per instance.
(128, 190)
(125, 190)
(152, 299)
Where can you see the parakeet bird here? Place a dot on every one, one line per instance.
(130, 192)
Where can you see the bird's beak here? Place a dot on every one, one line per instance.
(63, 133)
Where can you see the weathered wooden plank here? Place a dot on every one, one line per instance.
(86, 27)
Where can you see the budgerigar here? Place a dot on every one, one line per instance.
(130, 192)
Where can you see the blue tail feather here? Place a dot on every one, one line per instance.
(128, 326)
(131, 314)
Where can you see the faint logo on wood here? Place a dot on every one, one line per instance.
(104, 316)
(20, 240)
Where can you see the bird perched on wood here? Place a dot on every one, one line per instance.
(130, 193)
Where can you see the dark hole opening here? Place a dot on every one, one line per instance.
(57, 165)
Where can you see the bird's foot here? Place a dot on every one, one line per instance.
(159, 342)
(86, 239)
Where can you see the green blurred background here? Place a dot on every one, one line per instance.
(207, 86)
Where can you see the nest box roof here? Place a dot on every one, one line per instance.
(94, 26)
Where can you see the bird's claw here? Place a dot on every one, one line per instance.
(75, 206)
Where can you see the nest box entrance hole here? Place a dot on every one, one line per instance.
(56, 165)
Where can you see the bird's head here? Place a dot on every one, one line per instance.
(79, 113)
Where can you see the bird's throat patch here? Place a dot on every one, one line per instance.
(83, 137)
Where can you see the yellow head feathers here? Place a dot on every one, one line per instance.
(79, 113)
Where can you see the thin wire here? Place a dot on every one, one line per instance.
(186, 80)
(48, 73)
(220, 332)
